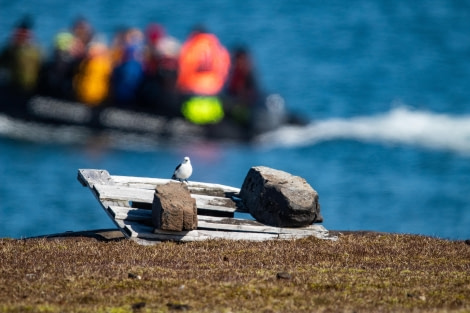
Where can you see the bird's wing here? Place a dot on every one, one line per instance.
(176, 169)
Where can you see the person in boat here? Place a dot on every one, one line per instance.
(92, 79)
(204, 64)
(57, 72)
(153, 34)
(68, 53)
(127, 75)
(83, 35)
(246, 102)
(242, 89)
(159, 92)
(21, 59)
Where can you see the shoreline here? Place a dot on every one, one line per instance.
(114, 234)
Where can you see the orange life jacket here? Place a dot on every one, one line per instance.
(203, 65)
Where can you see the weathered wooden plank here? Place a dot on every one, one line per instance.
(151, 183)
(122, 227)
(233, 235)
(210, 222)
(199, 234)
(147, 232)
(130, 214)
(235, 224)
(137, 230)
(224, 224)
(213, 189)
(139, 182)
(236, 227)
(215, 203)
(90, 177)
(122, 193)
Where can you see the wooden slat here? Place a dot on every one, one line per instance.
(215, 203)
(139, 182)
(122, 227)
(123, 193)
(249, 236)
(130, 214)
(151, 183)
(223, 224)
(146, 232)
(235, 224)
(90, 177)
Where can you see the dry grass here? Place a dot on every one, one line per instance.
(358, 273)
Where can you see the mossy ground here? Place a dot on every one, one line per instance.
(357, 273)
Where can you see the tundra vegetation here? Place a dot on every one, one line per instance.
(360, 272)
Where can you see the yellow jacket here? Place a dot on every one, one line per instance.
(91, 83)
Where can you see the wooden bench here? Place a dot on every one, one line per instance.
(128, 202)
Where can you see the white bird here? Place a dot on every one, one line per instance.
(183, 170)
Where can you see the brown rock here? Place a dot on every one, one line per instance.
(283, 275)
(280, 199)
(173, 208)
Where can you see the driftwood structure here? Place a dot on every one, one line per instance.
(128, 202)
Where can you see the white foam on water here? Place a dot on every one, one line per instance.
(401, 125)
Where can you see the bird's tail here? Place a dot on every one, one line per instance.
(173, 177)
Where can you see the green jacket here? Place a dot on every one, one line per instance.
(22, 63)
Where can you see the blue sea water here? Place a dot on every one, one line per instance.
(385, 83)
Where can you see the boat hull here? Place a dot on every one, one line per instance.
(51, 111)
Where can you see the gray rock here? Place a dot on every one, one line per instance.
(278, 198)
(173, 208)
